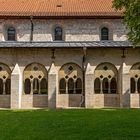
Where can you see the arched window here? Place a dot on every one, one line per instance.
(62, 86)
(43, 85)
(113, 85)
(8, 86)
(37, 79)
(58, 33)
(97, 86)
(105, 85)
(70, 86)
(11, 34)
(35, 86)
(78, 86)
(132, 85)
(27, 86)
(1, 86)
(106, 78)
(138, 85)
(104, 33)
(70, 79)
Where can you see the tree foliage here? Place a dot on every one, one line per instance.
(131, 9)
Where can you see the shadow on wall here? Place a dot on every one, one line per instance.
(40, 101)
(111, 100)
(52, 99)
(126, 99)
(74, 100)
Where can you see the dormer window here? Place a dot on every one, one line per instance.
(58, 33)
(104, 33)
(11, 34)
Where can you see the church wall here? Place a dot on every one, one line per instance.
(73, 30)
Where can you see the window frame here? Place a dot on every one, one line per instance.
(10, 36)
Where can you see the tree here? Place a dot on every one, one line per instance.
(131, 10)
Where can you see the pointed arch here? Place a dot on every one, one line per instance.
(73, 74)
(5, 79)
(38, 74)
(106, 75)
(135, 78)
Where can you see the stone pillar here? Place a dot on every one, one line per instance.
(89, 87)
(125, 95)
(52, 87)
(16, 88)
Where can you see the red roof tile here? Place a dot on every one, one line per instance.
(57, 8)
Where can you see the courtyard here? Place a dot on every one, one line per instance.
(71, 124)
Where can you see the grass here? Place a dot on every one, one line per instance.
(81, 124)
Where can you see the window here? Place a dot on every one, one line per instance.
(104, 33)
(43, 85)
(105, 79)
(138, 85)
(70, 86)
(8, 86)
(35, 79)
(1, 86)
(133, 85)
(27, 86)
(5, 79)
(79, 86)
(135, 78)
(113, 85)
(97, 85)
(11, 34)
(70, 79)
(58, 33)
(62, 86)
(105, 85)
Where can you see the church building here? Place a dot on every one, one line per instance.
(66, 54)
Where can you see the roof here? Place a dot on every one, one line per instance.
(54, 8)
(75, 44)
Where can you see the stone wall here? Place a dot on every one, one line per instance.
(73, 30)
(135, 100)
(34, 101)
(95, 56)
(5, 101)
(69, 100)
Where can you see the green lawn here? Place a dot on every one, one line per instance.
(81, 124)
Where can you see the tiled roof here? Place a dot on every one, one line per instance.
(57, 8)
(76, 44)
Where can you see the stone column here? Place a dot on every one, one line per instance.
(16, 88)
(125, 95)
(89, 87)
(52, 87)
